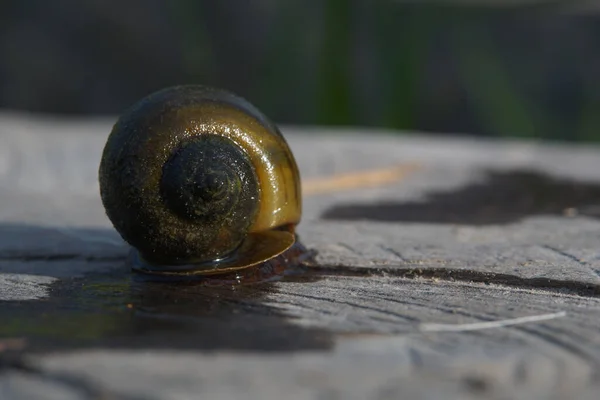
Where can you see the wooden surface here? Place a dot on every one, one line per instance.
(446, 268)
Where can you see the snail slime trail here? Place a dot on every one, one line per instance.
(201, 184)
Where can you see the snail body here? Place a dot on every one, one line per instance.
(197, 180)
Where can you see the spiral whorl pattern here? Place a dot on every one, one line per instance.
(211, 180)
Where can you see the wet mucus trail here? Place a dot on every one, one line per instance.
(122, 309)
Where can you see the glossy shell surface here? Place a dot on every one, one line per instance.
(156, 160)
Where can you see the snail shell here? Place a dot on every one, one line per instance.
(199, 181)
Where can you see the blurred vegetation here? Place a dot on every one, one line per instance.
(495, 68)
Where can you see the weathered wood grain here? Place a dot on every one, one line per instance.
(380, 351)
(481, 231)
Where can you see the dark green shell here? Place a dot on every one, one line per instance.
(194, 175)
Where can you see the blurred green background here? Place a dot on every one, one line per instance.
(489, 67)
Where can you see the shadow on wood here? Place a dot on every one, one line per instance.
(109, 306)
(504, 197)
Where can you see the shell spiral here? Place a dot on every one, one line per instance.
(197, 175)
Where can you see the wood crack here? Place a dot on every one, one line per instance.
(394, 252)
(354, 305)
(469, 276)
(564, 254)
(554, 340)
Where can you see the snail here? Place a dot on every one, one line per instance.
(198, 181)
